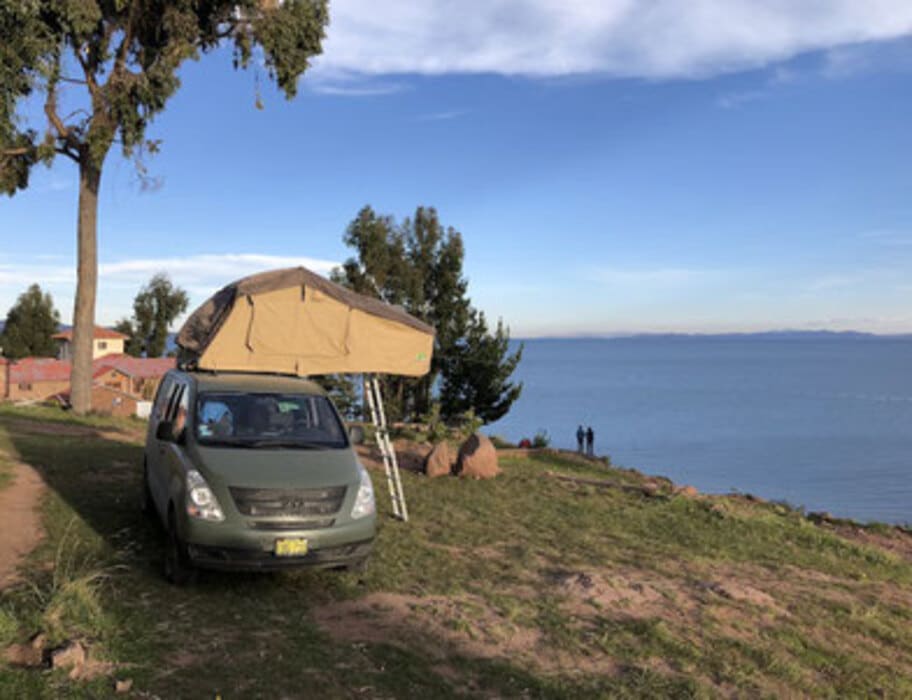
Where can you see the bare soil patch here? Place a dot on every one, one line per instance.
(897, 541)
(20, 521)
(466, 625)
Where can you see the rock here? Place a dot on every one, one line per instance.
(23, 655)
(477, 458)
(39, 642)
(71, 655)
(741, 593)
(440, 461)
(123, 686)
(687, 492)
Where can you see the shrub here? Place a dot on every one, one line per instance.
(541, 439)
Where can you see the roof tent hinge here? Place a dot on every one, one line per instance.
(248, 339)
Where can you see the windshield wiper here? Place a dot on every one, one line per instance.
(216, 442)
(285, 442)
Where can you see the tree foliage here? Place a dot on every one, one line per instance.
(154, 309)
(124, 57)
(477, 370)
(417, 264)
(30, 325)
(119, 62)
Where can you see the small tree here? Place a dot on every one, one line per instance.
(418, 265)
(30, 325)
(342, 389)
(477, 370)
(132, 345)
(154, 310)
(121, 60)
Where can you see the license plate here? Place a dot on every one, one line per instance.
(291, 547)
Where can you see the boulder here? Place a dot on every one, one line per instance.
(22, 655)
(440, 460)
(72, 655)
(477, 458)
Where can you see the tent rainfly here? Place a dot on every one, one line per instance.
(294, 321)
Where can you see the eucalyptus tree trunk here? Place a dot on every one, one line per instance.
(86, 285)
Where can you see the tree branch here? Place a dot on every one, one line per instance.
(75, 81)
(75, 112)
(50, 109)
(68, 153)
(13, 152)
(90, 77)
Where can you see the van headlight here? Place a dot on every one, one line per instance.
(201, 502)
(364, 501)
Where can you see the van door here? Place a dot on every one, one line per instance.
(173, 468)
(157, 458)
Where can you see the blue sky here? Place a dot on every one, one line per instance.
(706, 166)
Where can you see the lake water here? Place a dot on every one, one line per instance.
(825, 423)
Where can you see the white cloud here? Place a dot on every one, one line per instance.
(361, 88)
(890, 238)
(624, 38)
(118, 281)
(734, 100)
(199, 268)
(651, 278)
(441, 116)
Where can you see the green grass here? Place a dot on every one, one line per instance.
(480, 565)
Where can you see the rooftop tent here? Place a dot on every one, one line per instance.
(294, 321)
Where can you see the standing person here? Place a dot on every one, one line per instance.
(590, 441)
(580, 436)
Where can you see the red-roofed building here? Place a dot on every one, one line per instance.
(119, 382)
(143, 373)
(36, 378)
(104, 342)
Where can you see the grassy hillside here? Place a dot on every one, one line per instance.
(527, 586)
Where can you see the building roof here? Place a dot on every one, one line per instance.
(31, 370)
(136, 367)
(99, 334)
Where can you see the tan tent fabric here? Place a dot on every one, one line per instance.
(293, 321)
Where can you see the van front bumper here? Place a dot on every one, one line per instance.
(236, 559)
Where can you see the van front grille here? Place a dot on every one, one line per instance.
(288, 503)
(290, 525)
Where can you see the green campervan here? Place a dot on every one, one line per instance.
(254, 472)
(247, 462)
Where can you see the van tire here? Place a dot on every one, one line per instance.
(148, 505)
(178, 568)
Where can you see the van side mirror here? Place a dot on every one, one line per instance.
(165, 431)
(356, 434)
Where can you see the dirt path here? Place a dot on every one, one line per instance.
(20, 520)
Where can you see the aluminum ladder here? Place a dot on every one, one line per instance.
(390, 464)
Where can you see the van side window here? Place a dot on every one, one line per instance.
(172, 401)
(162, 397)
(181, 409)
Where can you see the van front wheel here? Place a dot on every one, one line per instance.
(178, 568)
(148, 506)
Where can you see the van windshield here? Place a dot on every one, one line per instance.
(301, 421)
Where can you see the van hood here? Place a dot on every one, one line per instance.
(277, 468)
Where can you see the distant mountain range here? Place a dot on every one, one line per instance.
(785, 334)
(760, 335)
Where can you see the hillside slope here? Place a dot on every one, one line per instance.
(531, 585)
